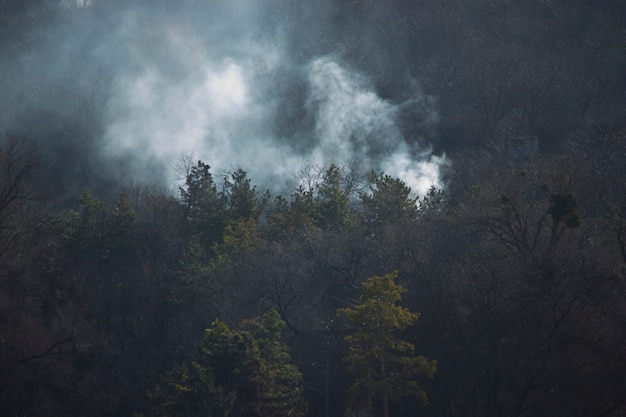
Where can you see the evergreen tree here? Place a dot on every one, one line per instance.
(386, 364)
(332, 208)
(388, 201)
(238, 373)
(204, 206)
(242, 199)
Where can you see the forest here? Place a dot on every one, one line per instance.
(427, 216)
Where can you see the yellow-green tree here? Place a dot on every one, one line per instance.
(387, 366)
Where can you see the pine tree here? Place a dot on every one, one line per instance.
(239, 372)
(386, 365)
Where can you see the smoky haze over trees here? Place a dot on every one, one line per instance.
(200, 202)
(132, 85)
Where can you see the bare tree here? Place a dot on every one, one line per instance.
(18, 160)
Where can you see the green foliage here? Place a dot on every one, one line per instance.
(93, 213)
(523, 289)
(238, 373)
(388, 201)
(279, 382)
(432, 201)
(332, 208)
(288, 216)
(242, 199)
(193, 290)
(204, 206)
(240, 236)
(322, 201)
(198, 389)
(386, 364)
(103, 233)
(122, 231)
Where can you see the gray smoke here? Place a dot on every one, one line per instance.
(125, 92)
(352, 122)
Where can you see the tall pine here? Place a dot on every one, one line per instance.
(386, 365)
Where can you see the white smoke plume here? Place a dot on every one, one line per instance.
(222, 81)
(220, 107)
(352, 122)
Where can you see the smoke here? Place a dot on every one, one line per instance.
(354, 123)
(236, 83)
(198, 98)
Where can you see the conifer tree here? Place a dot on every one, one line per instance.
(386, 365)
(238, 373)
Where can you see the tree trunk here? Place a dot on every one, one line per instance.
(385, 388)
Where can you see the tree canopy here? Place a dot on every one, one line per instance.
(242, 372)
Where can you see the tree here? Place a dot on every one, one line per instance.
(388, 201)
(204, 206)
(240, 372)
(385, 363)
(531, 278)
(43, 334)
(18, 160)
(278, 382)
(332, 208)
(242, 199)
